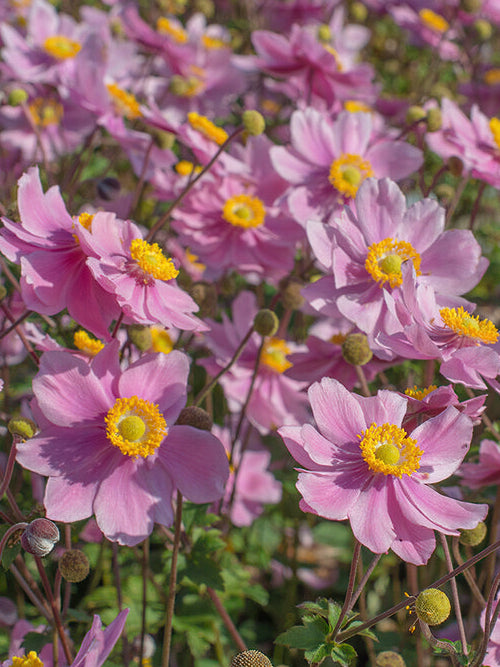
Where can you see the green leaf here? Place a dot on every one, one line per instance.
(344, 654)
(35, 641)
(309, 636)
(9, 555)
(318, 654)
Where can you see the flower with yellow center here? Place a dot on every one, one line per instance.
(244, 211)
(83, 342)
(204, 126)
(492, 76)
(433, 21)
(274, 353)
(135, 426)
(385, 258)
(353, 106)
(30, 660)
(124, 103)
(166, 27)
(161, 340)
(152, 262)
(45, 112)
(495, 130)
(61, 47)
(419, 394)
(347, 173)
(389, 450)
(465, 324)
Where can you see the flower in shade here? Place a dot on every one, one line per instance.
(486, 472)
(109, 444)
(492, 656)
(360, 464)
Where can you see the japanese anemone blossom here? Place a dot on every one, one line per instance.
(364, 249)
(486, 472)
(109, 444)
(359, 464)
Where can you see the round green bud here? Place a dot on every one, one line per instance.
(266, 322)
(455, 165)
(194, 416)
(415, 114)
(291, 296)
(434, 119)
(389, 659)
(178, 85)
(17, 96)
(483, 29)
(359, 12)
(22, 428)
(253, 122)
(471, 6)
(251, 659)
(324, 33)
(164, 139)
(74, 566)
(473, 536)
(206, 7)
(355, 349)
(432, 606)
(140, 336)
(445, 192)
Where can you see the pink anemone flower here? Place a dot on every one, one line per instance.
(359, 464)
(486, 472)
(109, 444)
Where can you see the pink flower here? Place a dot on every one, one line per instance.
(492, 657)
(486, 472)
(359, 464)
(109, 444)
(328, 160)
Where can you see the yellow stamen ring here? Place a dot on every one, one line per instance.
(348, 172)
(274, 353)
(61, 47)
(207, 128)
(88, 345)
(420, 394)
(433, 21)
(465, 324)
(388, 449)
(244, 211)
(125, 103)
(45, 112)
(152, 261)
(384, 261)
(135, 426)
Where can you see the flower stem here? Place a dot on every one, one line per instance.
(227, 620)
(350, 588)
(436, 643)
(169, 617)
(454, 593)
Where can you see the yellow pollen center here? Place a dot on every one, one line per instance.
(495, 130)
(244, 211)
(161, 340)
(274, 355)
(465, 324)
(30, 660)
(61, 47)
(420, 394)
(348, 172)
(433, 21)
(213, 42)
(186, 168)
(85, 219)
(354, 106)
(385, 258)
(207, 128)
(388, 449)
(152, 261)
(492, 77)
(124, 103)
(135, 426)
(166, 27)
(45, 112)
(90, 346)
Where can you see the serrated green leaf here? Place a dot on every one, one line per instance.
(35, 641)
(364, 633)
(9, 555)
(318, 655)
(308, 637)
(344, 654)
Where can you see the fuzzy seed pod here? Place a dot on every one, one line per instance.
(389, 659)
(473, 536)
(74, 566)
(434, 119)
(140, 336)
(194, 416)
(251, 659)
(40, 537)
(291, 296)
(16, 97)
(415, 113)
(22, 428)
(253, 122)
(355, 349)
(432, 606)
(324, 33)
(205, 295)
(266, 322)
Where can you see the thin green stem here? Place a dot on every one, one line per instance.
(454, 594)
(350, 589)
(169, 616)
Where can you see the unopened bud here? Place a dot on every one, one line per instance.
(17, 96)
(473, 536)
(205, 295)
(178, 85)
(483, 29)
(415, 114)
(389, 659)
(471, 6)
(432, 606)
(266, 322)
(359, 12)
(251, 659)
(355, 349)
(140, 336)
(324, 33)
(206, 7)
(108, 188)
(195, 416)
(164, 139)
(21, 427)
(291, 296)
(455, 165)
(40, 537)
(74, 566)
(445, 192)
(253, 122)
(434, 119)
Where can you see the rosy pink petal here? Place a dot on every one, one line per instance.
(41, 214)
(69, 502)
(337, 413)
(394, 159)
(324, 497)
(292, 437)
(370, 520)
(380, 208)
(98, 643)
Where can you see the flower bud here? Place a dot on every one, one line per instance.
(266, 322)
(17, 96)
(194, 416)
(483, 29)
(108, 188)
(178, 85)
(253, 122)
(205, 295)
(432, 606)
(206, 7)
(445, 192)
(471, 6)
(355, 349)
(22, 428)
(473, 536)
(74, 566)
(251, 659)
(389, 659)
(40, 537)
(455, 165)
(324, 33)
(415, 114)
(140, 336)
(434, 119)
(358, 12)
(291, 296)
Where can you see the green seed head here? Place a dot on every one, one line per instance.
(432, 606)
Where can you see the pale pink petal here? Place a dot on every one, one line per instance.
(370, 520)
(327, 498)
(337, 413)
(380, 207)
